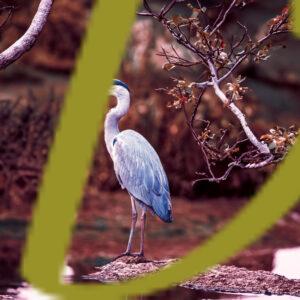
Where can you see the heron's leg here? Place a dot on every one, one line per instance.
(143, 223)
(133, 223)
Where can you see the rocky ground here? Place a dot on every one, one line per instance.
(224, 279)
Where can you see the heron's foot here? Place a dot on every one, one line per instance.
(139, 257)
(124, 254)
(139, 254)
(132, 258)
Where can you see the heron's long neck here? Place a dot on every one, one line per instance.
(111, 128)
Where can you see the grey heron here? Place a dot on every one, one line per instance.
(137, 167)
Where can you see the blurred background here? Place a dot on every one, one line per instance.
(31, 96)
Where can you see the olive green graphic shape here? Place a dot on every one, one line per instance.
(69, 162)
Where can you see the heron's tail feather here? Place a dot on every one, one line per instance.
(162, 208)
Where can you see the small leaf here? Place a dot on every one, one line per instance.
(168, 66)
(177, 20)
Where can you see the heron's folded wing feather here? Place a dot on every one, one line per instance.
(140, 171)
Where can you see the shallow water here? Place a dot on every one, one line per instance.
(284, 264)
(29, 293)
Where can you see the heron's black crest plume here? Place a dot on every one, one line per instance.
(121, 83)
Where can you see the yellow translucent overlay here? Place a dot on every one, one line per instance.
(71, 156)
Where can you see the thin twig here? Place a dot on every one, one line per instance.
(217, 26)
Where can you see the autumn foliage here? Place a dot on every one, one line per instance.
(215, 57)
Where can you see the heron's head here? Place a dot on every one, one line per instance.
(119, 89)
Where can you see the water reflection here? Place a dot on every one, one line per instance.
(187, 294)
(30, 293)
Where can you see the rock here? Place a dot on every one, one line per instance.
(127, 267)
(226, 279)
(241, 280)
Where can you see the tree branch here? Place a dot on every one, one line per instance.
(218, 25)
(245, 54)
(220, 59)
(236, 111)
(26, 42)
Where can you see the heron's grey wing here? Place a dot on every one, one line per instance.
(140, 171)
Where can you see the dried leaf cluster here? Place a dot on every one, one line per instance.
(280, 139)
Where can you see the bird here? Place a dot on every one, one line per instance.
(137, 167)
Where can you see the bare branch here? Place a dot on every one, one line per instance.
(200, 143)
(260, 164)
(9, 14)
(27, 41)
(243, 55)
(197, 106)
(218, 25)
